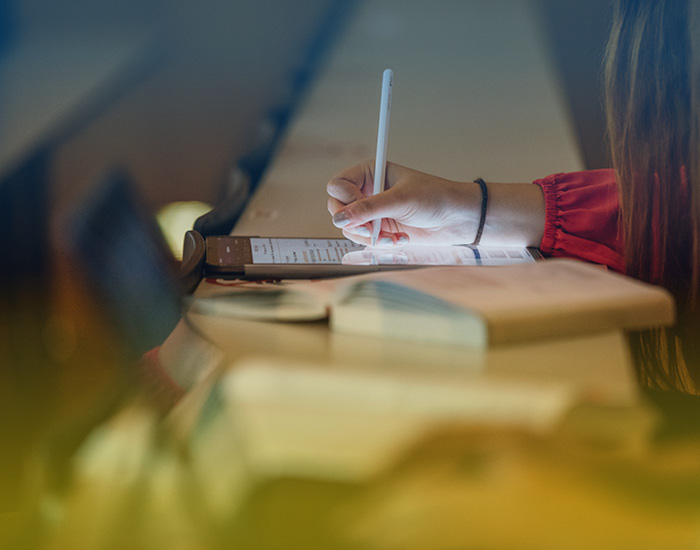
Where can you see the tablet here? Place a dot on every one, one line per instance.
(243, 257)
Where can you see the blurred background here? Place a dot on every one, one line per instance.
(171, 93)
(187, 87)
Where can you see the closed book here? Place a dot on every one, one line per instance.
(463, 306)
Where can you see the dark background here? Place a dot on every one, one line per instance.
(229, 64)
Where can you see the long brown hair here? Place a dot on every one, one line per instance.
(651, 81)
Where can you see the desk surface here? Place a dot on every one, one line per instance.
(471, 98)
(474, 95)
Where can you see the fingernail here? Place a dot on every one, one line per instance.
(340, 219)
(385, 241)
(362, 231)
(403, 239)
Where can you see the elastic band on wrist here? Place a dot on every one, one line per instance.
(484, 204)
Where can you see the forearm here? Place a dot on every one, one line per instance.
(425, 209)
(515, 215)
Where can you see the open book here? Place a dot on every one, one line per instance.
(467, 306)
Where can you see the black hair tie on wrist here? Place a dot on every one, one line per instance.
(484, 204)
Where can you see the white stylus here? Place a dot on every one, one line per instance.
(382, 142)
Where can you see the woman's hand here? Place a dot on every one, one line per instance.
(415, 207)
(418, 208)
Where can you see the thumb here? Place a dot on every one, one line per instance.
(365, 210)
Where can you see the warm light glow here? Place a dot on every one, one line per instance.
(178, 217)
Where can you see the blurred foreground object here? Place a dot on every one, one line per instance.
(277, 458)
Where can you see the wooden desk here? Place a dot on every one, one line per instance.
(474, 95)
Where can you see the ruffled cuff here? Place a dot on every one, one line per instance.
(551, 212)
(582, 217)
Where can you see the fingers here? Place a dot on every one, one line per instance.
(352, 184)
(402, 238)
(362, 235)
(344, 191)
(362, 211)
(388, 239)
(353, 207)
(334, 205)
(370, 256)
(355, 237)
(356, 184)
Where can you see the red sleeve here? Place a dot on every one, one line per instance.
(582, 217)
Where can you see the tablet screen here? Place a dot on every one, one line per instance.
(346, 252)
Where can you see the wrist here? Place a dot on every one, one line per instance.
(515, 215)
(464, 203)
(483, 207)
